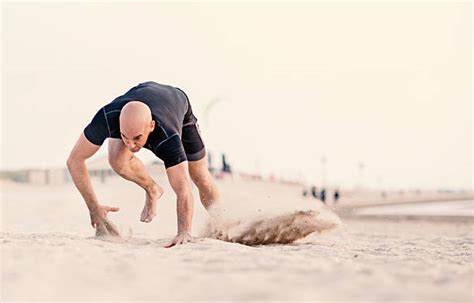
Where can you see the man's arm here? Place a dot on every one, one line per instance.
(76, 164)
(80, 176)
(180, 181)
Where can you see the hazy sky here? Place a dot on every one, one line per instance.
(389, 85)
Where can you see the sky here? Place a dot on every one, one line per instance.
(349, 94)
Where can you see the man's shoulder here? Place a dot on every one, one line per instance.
(116, 105)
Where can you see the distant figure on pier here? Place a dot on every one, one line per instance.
(322, 196)
(225, 166)
(336, 196)
(305, 192)
(314, 192)
(209, 162)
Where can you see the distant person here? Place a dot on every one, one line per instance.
(225, 165)
(336, 196)
(322, 196)
(157, 117)
(209, 162)
(314, 192)
(305, 192)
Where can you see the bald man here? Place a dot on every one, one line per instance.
(159, 118)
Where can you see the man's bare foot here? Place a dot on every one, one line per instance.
(152, 196)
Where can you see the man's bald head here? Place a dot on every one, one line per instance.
(136, 124)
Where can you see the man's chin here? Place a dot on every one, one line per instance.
(134, 150)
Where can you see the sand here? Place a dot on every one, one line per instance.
(49, 252)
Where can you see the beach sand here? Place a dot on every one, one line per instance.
(49, 252)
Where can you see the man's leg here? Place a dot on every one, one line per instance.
(205, 183)
(132, 169)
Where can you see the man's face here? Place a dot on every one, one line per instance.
(135, 138)
(134, 142)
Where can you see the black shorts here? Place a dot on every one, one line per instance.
(192, 143)
(191, 135)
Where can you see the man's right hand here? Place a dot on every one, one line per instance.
(101, 223)
(76, 165)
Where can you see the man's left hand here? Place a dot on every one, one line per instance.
(181, 238)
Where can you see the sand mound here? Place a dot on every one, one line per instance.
(282, 229)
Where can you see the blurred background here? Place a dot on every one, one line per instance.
(359, 108)
(374, 95)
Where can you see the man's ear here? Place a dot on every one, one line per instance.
(152, 125)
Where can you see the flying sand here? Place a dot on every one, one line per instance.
(281, 229)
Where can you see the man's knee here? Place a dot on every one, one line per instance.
(200, 176)
(118, 164)
(118, 157)
(200, 179)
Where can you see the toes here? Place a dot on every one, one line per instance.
(144, 215)
(149, 217)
